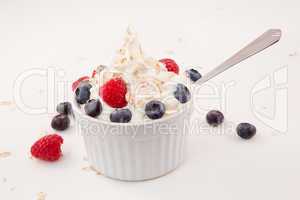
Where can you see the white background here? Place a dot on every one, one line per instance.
(75, 36)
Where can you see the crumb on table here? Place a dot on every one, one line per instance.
(4, 154)
(90, 168)
(41, 196)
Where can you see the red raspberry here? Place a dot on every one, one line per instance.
(47, 148)
(113, 93)
(76, 83)
(170, 65)
(94, 73)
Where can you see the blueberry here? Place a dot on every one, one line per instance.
(83, 93)
(182, 93)
(85, 84)
(93, 108)
(60, 122)
(155, 109)
(246, 130)
(193, 74)
(214, 117)
(64, 108)
(121, 115)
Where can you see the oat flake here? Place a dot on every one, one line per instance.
(41, 196)
(4, 154)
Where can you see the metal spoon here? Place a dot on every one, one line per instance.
(264, 41)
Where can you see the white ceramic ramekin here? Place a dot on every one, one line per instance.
(135, 151)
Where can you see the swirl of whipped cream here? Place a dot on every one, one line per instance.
(146, 78)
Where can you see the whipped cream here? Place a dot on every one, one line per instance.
(146, 79)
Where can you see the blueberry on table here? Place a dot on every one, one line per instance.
(155, 109)
(182, 93)
(64, 108)
(93, 107)
(193, 74)
(82, 93)
(246, 130)
(60, 122)
(214, 117)
(121, 115)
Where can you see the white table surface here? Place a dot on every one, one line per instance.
(75, 36)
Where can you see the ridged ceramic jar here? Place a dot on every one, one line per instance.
(135, 151)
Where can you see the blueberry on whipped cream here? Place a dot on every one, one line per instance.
(155, 109)
(82, 93)
(182, 93)
(93, 108)
(121, 115)
(193, 74)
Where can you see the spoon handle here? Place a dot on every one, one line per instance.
(264, 41)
